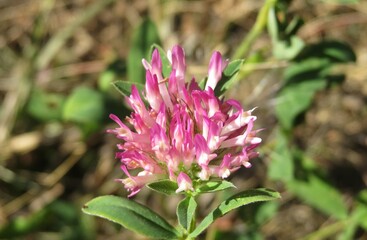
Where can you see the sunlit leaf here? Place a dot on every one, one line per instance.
(238, 200)
(286, 45)
(131, 215)
(214, 186)
(288, 49)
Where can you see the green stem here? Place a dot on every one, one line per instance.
(255, 31)
(193, 224)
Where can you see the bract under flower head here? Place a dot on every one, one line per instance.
(184, 133)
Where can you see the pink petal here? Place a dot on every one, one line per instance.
(152, 91)
(216, 67)
(184, 183)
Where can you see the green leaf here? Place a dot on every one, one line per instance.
(307, 75)
(229, 77)
(357, 218)
(233, 67)
(294, 25)
(251, 64)
(288, 49)
(281, 166)
(88, 227)
(214, 186)
(238, 200)
(319, 194)
(272, 25)
(84, 105)
(22, 225)
(306, 70)
(258, 214)
(331, 50)
(295, 99)
(352, 224)
(105, 80)
(186, 212)
(202, 83)
(131, 215)
(362, 209)
(124, 87)
(115, 70)
(265, 212)
(311, 186)
(164, 186)
(289, 45)
(45, 106)
(143, 38)
(166, 65)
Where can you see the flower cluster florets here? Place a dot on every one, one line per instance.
(182, 132)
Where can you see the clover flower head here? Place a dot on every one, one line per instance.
(181, 132)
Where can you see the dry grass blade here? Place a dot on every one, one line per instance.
(55, 44)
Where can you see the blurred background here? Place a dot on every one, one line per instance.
(305, 70)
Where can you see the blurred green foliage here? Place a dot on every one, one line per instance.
(309, 71)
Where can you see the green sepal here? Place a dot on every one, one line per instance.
(166, 65)
(229, 77)
(124, 87)
(164, 186)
